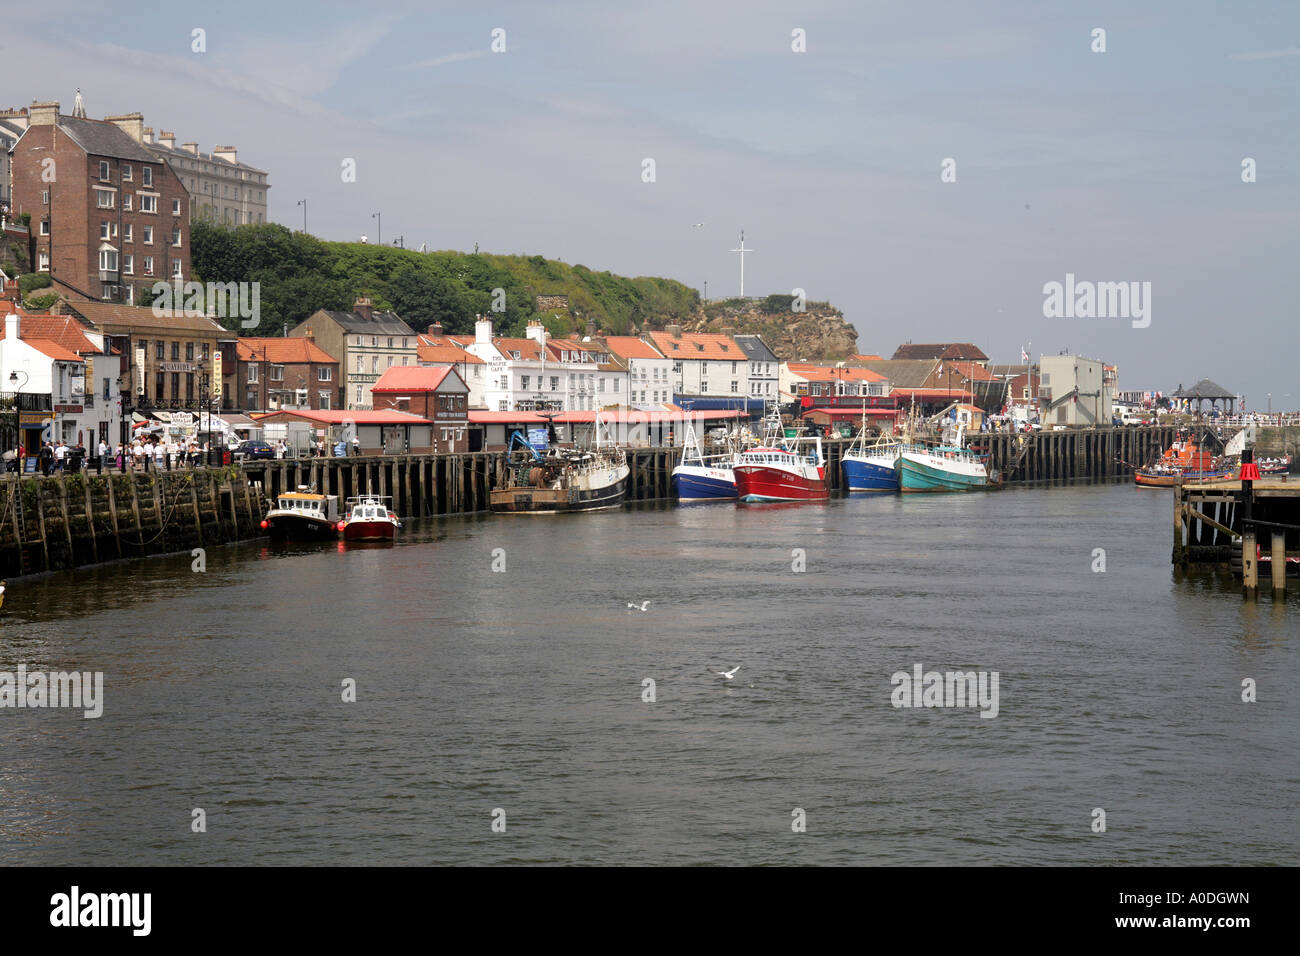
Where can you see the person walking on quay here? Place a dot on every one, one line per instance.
(119, 459)
(60, 455)
(160, 454)
(356, 447)
(46, 458)
(137, 455)
(102, 451)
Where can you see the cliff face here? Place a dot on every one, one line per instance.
(818, 333)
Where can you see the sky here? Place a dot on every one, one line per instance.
(1117, 166)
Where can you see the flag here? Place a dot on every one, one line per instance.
(1024, 356)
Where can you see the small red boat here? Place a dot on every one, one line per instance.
(369, 518)
(792, 471)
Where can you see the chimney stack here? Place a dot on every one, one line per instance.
(167, 139)
(435, 329)
(44, 114)
(482, 330)
(364, 308)
(228, 153)
(130, 123)
(310, 335)
(674, 331)
(191, 148)
(537, 332)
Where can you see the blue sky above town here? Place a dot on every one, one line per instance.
(1115, 166)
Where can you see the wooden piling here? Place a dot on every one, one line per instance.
(1277, 561)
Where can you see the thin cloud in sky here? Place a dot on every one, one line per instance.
(1266, 54)
(444, 60)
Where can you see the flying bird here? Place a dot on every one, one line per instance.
(728, 674)
(640, 607)
(698, 225)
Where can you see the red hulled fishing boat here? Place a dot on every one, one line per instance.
(794, 470)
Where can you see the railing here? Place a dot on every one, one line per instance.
(26, 401)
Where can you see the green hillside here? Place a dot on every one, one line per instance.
(299, 274)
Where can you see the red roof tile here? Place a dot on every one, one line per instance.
(630, 347)
(710, 346)
(412, 378)
(281, 350)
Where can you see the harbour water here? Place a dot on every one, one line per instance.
(522, 690)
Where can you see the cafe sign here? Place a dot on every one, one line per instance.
(175, 366)
(33, 419)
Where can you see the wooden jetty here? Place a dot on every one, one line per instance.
(1237, 526)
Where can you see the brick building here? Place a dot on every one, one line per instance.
(437, 394)
(365, 341)
(108, 217)
(281, 373)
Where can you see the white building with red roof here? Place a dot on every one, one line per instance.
(649, 371)
(538, 372)
(706, 365)
(48, 382)
(436, 350)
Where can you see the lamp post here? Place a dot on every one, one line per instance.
(303, 203)
(379, 230)
(18, 391)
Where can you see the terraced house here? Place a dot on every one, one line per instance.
(109, 217)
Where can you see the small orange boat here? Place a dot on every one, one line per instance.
(1186, 460)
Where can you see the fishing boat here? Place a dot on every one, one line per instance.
(1186, 460)
(369, 518)
(794, 470)
(871, 463)
(940, 468)
(701, 477)
(562, 479)
(303, 515)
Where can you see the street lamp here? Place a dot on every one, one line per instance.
(303, 203)
(379, 231)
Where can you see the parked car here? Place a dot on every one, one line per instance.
(252, 449)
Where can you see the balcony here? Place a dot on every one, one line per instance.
(26, 401)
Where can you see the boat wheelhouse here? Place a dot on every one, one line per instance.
(303, 515)
(792, 471)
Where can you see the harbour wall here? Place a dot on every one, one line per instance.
(70, 520)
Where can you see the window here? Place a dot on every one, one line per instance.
(390, 341)
(358, 394)
(176, 351)
(126, 173)
(205, 351)
(103, 229)
(525, 379)
(160, 350)
(324, 374)
(128, 264)
(147, 235)
(616, 385)
(601, 386)
(45, 197)
(361, 363)
(374, 364)
(404, 345)
(160, 381)
(148, 265)
(252, 374)
(177, 266)
(374, 341)
(148, 203)
(734, 386)
(104, 198)
(43, 261)
(176, 384)
(324, 400)
(126, 202)
(277, 373)
(103, 170)
(107, 260)
(176, 207)
(189, 351)
(176, 236)
(128, 234)
(555, 383)
(147, 175)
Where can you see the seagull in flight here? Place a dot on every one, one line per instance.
(640, 607)
(728, 674)
(698, 225)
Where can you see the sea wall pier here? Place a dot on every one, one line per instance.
(69, 520)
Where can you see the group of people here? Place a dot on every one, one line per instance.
(161, 453)
(53, 456)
